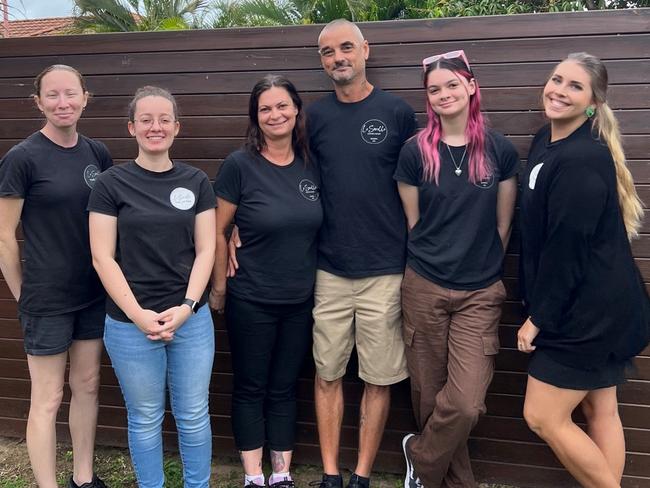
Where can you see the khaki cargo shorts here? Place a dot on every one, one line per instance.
(361, 311)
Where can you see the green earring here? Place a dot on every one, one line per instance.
(590, 111)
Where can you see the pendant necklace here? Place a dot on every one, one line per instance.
(458, 171)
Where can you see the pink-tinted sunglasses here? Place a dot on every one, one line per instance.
(450, 55)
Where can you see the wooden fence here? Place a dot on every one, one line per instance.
(212, 71)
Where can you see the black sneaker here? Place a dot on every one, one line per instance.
(253, 485)
(357, 482)
(285, 483)
(411, 479)
(96, 482)
(329, 481)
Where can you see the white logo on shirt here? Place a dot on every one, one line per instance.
(533, 176)
(90, 175)
(182, 198)
(309, 190)
(485, 183)
(374, 131)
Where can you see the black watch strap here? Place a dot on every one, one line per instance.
(191, 303)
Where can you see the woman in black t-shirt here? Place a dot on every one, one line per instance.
(271, 191)
(152, 237)
(45, 182)
(457, 181)
(588, 309)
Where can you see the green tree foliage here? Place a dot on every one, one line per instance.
(230, 13)
(138, 15)
(134, 15)
(461, 8)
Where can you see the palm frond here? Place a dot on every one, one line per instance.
(111, 15)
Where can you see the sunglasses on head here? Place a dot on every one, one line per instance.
(450, 55)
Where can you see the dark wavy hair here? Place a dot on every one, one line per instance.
(255, 138)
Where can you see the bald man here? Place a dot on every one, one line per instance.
(356, 134)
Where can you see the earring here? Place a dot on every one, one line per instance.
(590, 111)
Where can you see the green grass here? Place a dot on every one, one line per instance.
(114, 467)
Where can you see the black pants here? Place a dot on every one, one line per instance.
(268, 344)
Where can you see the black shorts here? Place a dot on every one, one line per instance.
(53, 334)
(546, 369)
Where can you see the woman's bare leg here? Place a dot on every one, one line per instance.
(547, 410)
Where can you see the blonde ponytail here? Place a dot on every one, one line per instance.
(607, 125)
(628, 199)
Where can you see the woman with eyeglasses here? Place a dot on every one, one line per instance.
(152, 236)
(587, 306)
(45, 181)
(457, 181)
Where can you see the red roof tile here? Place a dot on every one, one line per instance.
(37, 27)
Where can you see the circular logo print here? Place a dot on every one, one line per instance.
(374, 131)
(182, 198)
(485, 183)
(90, 175)
(309, 190)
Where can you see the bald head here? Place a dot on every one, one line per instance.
(342, 24)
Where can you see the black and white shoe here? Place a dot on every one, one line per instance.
(411, 479)
(285, 483)
(96, 482)
(329, 481)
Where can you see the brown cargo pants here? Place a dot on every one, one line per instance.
(451, 339)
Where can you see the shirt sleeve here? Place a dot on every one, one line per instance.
(228, 182)
(408, 122)
(577, 196)
(409, 165)
(15, 173)
(106, 159)
(206, 195)
(102, 199)
(508, 160)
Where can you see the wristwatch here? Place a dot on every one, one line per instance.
(190, 303)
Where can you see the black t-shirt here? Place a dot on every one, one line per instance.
(155, 223)
(578, 276)
(455, 243)
(357, 146)
(278, 215)
(54, 182)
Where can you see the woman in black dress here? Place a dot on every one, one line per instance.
(587, 307)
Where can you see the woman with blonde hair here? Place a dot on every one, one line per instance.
(588, 309)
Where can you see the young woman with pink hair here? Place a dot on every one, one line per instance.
(457, 180)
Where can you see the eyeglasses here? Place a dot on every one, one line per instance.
(162, 122)
(450, 55)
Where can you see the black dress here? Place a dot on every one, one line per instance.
(580, 284)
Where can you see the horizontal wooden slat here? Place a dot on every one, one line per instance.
(494, 99)
(509, 123)
(494, 75)
(492, 27)
(219, 147)
(306, 57)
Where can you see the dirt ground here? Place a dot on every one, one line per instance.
(114, 467)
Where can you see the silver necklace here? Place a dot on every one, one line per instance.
(458, 171)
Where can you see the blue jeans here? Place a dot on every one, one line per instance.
(143, 368)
